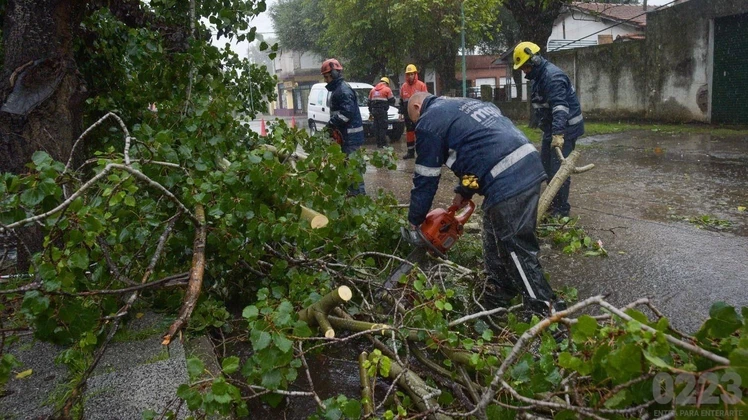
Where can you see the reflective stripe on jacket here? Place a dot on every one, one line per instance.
(344, 112)
(381, 97)
(555, 101)
(409, 89)
(473, 139)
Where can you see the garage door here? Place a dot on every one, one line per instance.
(730, 78)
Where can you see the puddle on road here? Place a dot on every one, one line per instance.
(642, 174)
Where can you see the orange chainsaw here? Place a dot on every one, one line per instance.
(439, 231)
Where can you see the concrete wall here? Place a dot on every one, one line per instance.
(515, 110)
(610, 79)
(666, 77)
(680, 57)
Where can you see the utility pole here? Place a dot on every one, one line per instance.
(462, 44)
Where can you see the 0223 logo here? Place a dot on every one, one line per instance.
(697, 389)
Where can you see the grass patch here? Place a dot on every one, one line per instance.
(565, 233)
(598, 128)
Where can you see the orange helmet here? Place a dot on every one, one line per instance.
(329, 65)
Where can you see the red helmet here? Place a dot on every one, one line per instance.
(329, 65)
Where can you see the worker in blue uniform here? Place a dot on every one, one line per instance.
(345, 116)
(556, 107)
(490, 157)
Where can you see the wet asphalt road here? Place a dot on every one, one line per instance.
(635, 201)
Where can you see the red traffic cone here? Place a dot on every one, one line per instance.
(293, 121)
(263, 132)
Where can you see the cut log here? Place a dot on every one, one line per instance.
(568, 167)
(316, 220)
(316, 313)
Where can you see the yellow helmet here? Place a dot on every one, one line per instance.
(385, 80)
(523, 52)
(411, 68)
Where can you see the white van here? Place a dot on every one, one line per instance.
(318, 110)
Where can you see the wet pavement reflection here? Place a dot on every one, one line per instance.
(637, 201)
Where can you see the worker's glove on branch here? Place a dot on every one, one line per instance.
(558, 141)
(411, 236)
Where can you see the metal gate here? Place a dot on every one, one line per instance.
(730, 78)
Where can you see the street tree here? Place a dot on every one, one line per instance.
(367, 36)
(299, 25)
(66, 64)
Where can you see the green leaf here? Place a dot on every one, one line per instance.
(41, 159)
(624, 363)
(195, 367)
(352, 409)
(79, 259)
(521, 372)
(34, 303)
(283, 343)
(230, 365)
(32, 197)
(739, 362)
(272, 379)
(723, 321)
(260, 339)
(250, 312)
(616, 400)
(585, 328)
(384, 366)
(193, 398)
(655, 360)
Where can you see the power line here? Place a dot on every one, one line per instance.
(612, 26)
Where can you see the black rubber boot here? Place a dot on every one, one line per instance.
(410, 155)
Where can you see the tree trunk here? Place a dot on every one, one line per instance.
(40, 90)
(535, 18)
(445, 68)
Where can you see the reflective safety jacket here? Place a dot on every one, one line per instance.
(409, 89)
(344, 112)
(380, 98)
(489, 155)
(555, 101)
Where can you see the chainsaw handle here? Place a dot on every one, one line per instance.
(465, 214)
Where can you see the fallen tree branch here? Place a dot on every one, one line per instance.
(196, 277)
(367, 396)
(568, 167)
(422, 394)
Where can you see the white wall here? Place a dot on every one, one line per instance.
(572, 26)
(310, 61)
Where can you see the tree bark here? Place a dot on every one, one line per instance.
(40, 90)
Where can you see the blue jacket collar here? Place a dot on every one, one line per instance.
(537, 70)
(334, 84)
(426, 102)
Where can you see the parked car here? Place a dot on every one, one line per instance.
(318, 110)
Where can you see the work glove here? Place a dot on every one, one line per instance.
(558, 141)
(411, 236)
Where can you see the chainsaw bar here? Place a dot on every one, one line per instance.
(417, 256)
